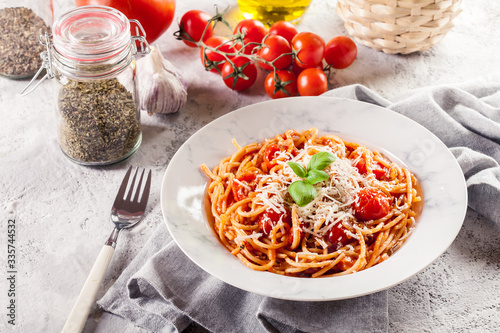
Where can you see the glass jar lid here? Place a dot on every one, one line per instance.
(91, 33)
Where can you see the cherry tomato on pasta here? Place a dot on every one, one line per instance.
(340, 52)
(346, 263)
(270, 154)
(284, 29)
(312, 82)
(275, 48)
(215, 59)
(273, 151)
(243, 185)
(240, 77)
(380, 171)
(310, 49)
(253, 30)
(270, 218)
(284, 86)
(360, 162)
(371, 204)
(155, 16)
(192, 27)
(338, 236)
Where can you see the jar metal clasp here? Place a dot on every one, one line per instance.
(140, 38)
(46, 64)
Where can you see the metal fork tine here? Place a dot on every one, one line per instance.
(123, 187)
(131, 189)
(145, 193)
(138, 187)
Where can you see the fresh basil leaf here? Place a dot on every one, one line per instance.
(316, 176)
(298, 169)
(302, 192)
(320, 160)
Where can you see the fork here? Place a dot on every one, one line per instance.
(125, 213)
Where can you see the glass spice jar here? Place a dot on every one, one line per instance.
(91, 56)
(21, 23)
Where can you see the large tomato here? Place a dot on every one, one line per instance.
(155, 16)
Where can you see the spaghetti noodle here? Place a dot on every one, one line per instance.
(360, 215)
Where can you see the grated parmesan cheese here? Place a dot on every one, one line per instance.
(334, 199)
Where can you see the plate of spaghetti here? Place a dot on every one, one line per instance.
(313, 198)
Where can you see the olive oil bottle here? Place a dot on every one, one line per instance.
(270, 11)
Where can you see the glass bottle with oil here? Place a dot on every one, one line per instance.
(271, 11)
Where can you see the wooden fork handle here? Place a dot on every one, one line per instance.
(79, 313)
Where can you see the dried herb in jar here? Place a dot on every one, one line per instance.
(100, 122)
(20, 49)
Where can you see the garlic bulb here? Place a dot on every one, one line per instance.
(161, 87)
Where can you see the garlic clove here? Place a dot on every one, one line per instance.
(161, 87)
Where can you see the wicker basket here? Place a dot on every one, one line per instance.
(398, 26)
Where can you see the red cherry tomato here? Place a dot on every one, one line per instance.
(253, 30)
(379, 171)
(192, 27)
(312, 82)
(284, 29)
(346, 263)
(275, 48)
(214, 59)
(285, 86)
(241, 77)
(273, 151)
(270, 218)
(371, 204)
(243, 185)
(338, 236)
(310, 49)
(270, 154)
(155, 16)
(360, 162)
(340, 52)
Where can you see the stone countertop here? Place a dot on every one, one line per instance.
(61, 209)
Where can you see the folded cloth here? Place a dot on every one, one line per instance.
(163, 291)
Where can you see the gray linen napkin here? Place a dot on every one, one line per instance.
(150, 296)
(162, 291)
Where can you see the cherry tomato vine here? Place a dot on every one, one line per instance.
(296, 60)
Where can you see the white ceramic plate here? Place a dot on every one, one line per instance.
(442, 181)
